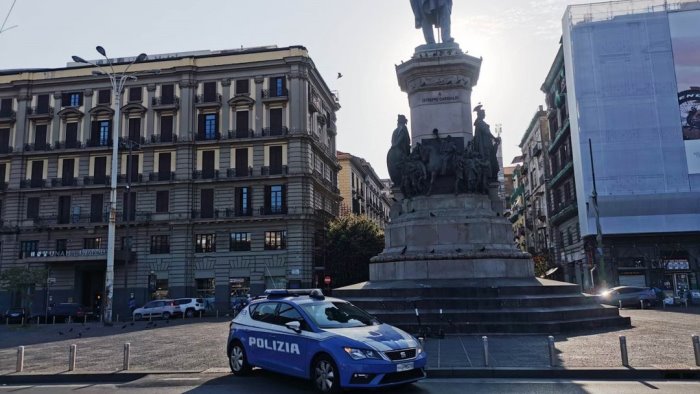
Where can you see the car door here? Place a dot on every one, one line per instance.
(294, 347)
(149, 308)
(262, 337)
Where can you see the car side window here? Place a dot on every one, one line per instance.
(265, 312)
(287, 313)
(151, 304)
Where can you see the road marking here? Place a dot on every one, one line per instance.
(178, 379)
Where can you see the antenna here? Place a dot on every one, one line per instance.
(2, 27)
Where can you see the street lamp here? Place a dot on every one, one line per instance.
(118, 80)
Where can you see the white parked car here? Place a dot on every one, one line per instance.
(190, 307)
(158, 308)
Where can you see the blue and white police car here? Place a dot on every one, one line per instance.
(328, 340)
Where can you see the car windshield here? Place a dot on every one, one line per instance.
(338, 315)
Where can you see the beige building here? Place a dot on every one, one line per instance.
(361, 189)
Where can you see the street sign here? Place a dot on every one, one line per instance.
(327, 280)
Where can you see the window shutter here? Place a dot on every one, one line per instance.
(200, 128)
(284, 198)
(267, 198)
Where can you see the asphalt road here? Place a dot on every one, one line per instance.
(265, 383)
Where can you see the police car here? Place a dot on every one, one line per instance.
(328, 340)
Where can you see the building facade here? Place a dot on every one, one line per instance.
(636, 89)
(229, 158)
(565, 235)
(363, 192)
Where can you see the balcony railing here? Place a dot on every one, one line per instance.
(97, 143)
(8, 115)
(5, 149)
(40, 112)
(247, 133)
(90, 180)
(239, 172)
(275, 93)
(161, 176)
(165, 101)
(274, 170)
(267, 131)
(158, 138)
(273, 210)
(68, 145)
(64, 182)
(122, 178)
(37, 147)
(32, 183)
(205, 174)
(210, 137)
(205, 99)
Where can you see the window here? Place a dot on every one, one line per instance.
(28, 248)
(164, 166)
(129, 206)
(61, 245)
(209, 89)
(265, 312)
(37, 173)
(92, 243)
(276, 166)
(208, 164)
(241, 162)
(132, 168)
(205, 243)
(68, 172)
(5, 141)
(127, 243)
(161, 289)
(276, 121)
(242, 125)
(206, 287)
(242, 86)
(243, 200)
(100, 170)
(135, 129)
(40, 137)
(33, 208)
(96, 206)
(210, 126)
(288, 313)
(275, 240)
(104, 97)
(73, 99)
(167, 94)
(5, 107)
(162, 201)
(275, 203)
(63, 209)
(278, 87)
(160, 244)
(104, 130)
(166, 128)
(71, 135)
(206, 203)
(239, 242)
(135, 94)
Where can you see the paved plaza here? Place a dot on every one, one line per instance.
(659, 338)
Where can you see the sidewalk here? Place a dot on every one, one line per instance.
(659, 344)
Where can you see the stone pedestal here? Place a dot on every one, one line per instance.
(439, 80)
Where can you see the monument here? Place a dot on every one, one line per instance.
(450, 264)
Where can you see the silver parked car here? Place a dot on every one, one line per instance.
(191, 307)
(629, 296)
(158, 308)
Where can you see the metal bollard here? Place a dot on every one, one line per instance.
(696, 349)
(54, 320)
(200, 314)
(641, 304)
(127, 352)
(72, 356)
(85, 318)
(69, 320)
(217, 313)
(117, 318)
(20, 358)
(485, 341)
(22, 322)
(552, 351)
(623, 351)
(7, 321)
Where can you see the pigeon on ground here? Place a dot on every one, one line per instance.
(60, 333)
(432, 214)
(87, 328)
(80, 335)
(432, 251)
(70, 329)
(132, 323)
(404, 249)
(124, 326)
(459, 250)
(483, 248)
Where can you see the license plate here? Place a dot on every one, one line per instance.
(404, 367)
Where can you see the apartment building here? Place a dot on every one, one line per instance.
(363, 192)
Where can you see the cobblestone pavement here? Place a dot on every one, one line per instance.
(659, 338)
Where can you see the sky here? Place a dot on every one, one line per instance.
(362, 39)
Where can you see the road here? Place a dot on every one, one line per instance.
(267, 383)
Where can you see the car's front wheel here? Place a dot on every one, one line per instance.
(237, 360)
(137, 316)
(325, 375)
(166, 315)
(189, 313)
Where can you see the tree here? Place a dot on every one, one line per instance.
(21, 281)
(352, 241)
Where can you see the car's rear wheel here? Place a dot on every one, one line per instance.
(238, 361)
(325, 375)
(166, 315)
(189, 313)
(137, 316)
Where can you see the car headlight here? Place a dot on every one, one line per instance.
(361, 354)
(419, 348)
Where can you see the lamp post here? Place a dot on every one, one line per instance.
(118, 80)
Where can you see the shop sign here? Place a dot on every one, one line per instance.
(69, 253)
(677, 264)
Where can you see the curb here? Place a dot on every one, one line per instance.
(569, 373)
(433, 373)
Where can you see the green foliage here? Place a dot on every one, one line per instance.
(541, 265)
(21, 280)
(351, 242)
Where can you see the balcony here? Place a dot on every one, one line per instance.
(32, 183)
(249, 133)
(561, 174)
(161, 176)
(100, 180)
(272, 95)
(278, 131)
(208, 137)
(40, 113)
(8, 116)
(559, 136)
(68, 145)
(563, 211)
(37, 147)
(207, 101)
(5, 150)
(99, 143)
(208, 174)
(239, 172)
(135, 178)
(64, 182)
(139, 217)
(164, 103)
(161, 139)
(266, 211)
(274, 170)
(3, 186)
(227, 213)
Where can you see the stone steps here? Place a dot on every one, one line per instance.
(470, 303)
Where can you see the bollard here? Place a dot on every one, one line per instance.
(217, 313)
(150, 316)
(117, 318)
(619, 304)
(20, 358)
(7, 321)
(127, 351)
(552, 351)
(69, 320)
(54, 320)
(641, 304)
(200, 314)
(485, 341)
(696, 349)
(72, 356)
(623, 351)
(85, 318)
(23, 322)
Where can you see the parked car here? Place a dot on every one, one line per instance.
(190, 307)
(15, 315)
(158, 308)
(69, 310)
(629, 296)
(327, 340)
